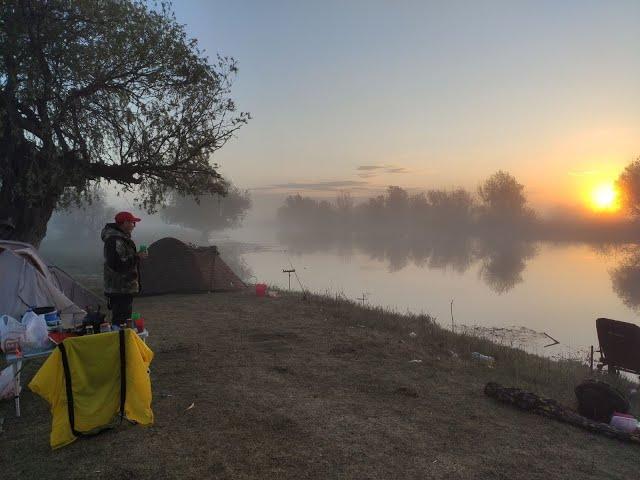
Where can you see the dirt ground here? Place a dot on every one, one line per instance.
(289, 389)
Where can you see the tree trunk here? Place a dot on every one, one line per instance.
(22, 222)
(28, 189)
(530, 402)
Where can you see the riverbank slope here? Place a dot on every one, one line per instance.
(286, 387)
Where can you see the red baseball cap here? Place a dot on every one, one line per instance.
(122, 217)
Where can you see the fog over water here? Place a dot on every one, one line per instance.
(557, 288)
(498, 278)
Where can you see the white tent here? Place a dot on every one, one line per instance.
(26, 281)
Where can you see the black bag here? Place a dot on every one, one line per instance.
(43, 310)
(93, 318)
(598, 400)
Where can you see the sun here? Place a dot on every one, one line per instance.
(604, 197)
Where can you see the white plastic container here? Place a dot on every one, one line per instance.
(52, 318)
(625, 424)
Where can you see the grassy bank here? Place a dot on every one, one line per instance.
(322, 388)
(553, 378)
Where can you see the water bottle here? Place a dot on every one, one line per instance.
(135, 321)
(482, 358)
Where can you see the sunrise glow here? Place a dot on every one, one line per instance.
(604, 197)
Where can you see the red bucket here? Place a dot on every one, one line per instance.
(261, 289)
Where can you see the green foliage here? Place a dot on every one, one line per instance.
(109, 90)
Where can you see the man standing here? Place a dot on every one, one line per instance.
(121, 266)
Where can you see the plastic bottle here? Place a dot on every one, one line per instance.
(137, 321)
(482, 358)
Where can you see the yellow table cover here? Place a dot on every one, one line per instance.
(94, 364)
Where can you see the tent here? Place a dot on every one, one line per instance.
(74, 291)
(176, 267)
(27, 281)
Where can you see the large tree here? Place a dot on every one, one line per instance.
(503, 202)
(208, 213)
(628, 185)
(104, 90)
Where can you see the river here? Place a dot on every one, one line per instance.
(514, 291)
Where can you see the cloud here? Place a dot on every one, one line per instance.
(391, 169)
(584, 173)
(318, 186)
(372, 170)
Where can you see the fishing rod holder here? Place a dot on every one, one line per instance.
(289, 272)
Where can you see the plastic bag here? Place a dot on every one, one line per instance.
(7, 385)
(36, 334)
(11, 332)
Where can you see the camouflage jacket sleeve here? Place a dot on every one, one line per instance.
(120, 257)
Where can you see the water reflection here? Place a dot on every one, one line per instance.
(625, 278)
(441, 252)
(502, 259)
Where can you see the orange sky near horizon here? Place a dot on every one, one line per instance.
(357, 96)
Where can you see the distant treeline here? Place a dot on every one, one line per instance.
(498, 207)
(500, 204)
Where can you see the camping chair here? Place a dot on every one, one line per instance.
(619, 346)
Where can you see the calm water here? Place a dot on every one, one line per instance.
(543, 287)
(528, 287)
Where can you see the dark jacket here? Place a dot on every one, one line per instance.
(121, 272)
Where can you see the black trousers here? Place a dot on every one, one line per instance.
(121, 306)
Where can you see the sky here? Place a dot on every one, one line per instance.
(358, 95)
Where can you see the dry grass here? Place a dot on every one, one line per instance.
(322, 388)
